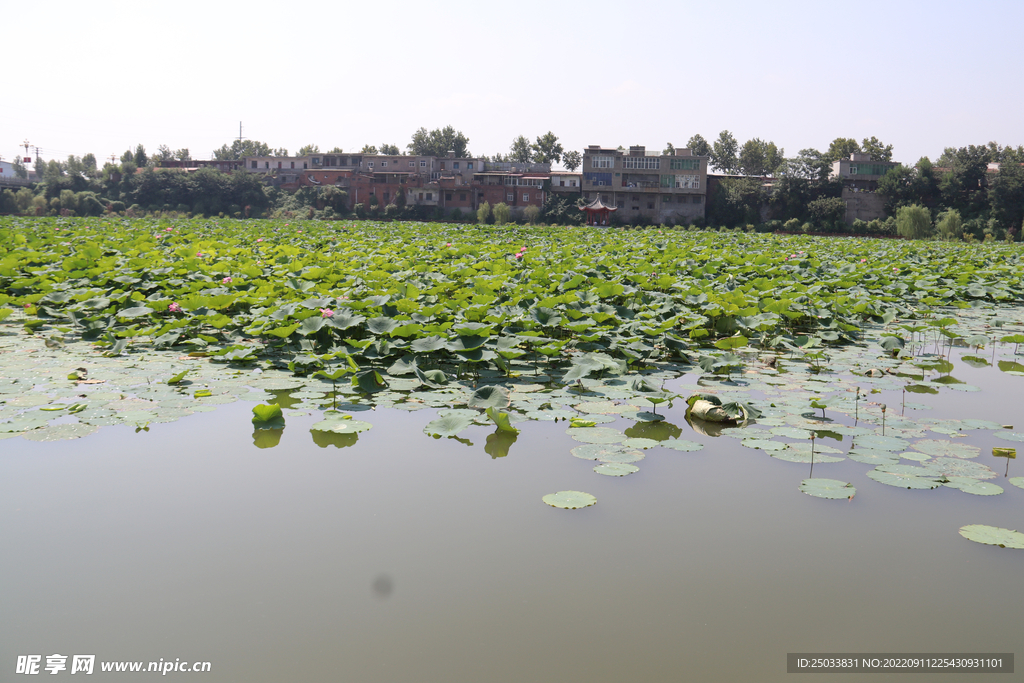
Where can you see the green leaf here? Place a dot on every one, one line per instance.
(268, 416)
(827, 488)
(616, 469)
(731, 342)
(569, 500)
(993, 535)
(369, 382)
(448, 425)
(490, 396)
(501, 420)
(178, 377)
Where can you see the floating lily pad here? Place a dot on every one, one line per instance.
(827, 488)
(903, 481)
(596, 435)
(682, 445)
(616, 469)
(764, 444)
(946, 449)
(569, 500)
(339, 425)
(642, 416)
(956, 467)
(640, 442)
(983, 488)
(880, 443)
(607, 453)
(61, 432)
(873, 457)
(804, 456)
(1009, 436)
(1017, 481)
(603, 407)
(791, 432)
(993, 535)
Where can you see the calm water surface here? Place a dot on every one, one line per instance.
(405, 558)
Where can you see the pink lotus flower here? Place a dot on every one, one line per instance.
(448, 245)
(344, 298)
(259, 239)
(326, 313)
(863, 260)
(169, 229)
(300, 231)
(519, 256)
(199, 254)
(226, 280)
(174, 307)
(28, 306)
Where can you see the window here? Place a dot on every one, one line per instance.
(698, 199)
(685, 164)
(561, 183)
(650, 163)
(462, 196)
(254, 164)
(293, 164)
(316, 161)
(455, 165)
(598, 178)
(370, 164)
(621, 204)
(266, 164)
(602, 161)
(853, 170)
(305, 165)
(650, 205)
(423, 163)
(421, 196)
(511, 197)
(412, 164)
(443, 165)
(430, 196)
(447, 196)
(329, 161)
(469, 165)
(386, 197)
(383, 164)
(681, 181)
(526, 196)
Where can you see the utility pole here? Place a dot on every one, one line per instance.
(26, 144)
(240, 138)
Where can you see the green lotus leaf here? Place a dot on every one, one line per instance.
(448, 425)
(949, 449)
(501, 420)
(993, 535)
(616, 469)
(339, 425)
(682, 445)
(827, 488)
(905, 481)
(490, 396)
(369, 382)
(134, 312)
(267, 416)
(569, 500)
(1017, 481)
(596, 435)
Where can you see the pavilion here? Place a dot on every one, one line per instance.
(598, 213)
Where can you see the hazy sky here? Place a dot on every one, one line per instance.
(101, 76)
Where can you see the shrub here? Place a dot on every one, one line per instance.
(391, 211)
(501, 213)
(531, 214)
(950, 225)
(483, 213)
(792, 225)
(914, 222)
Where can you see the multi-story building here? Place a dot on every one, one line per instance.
(860, 175)
(659, 187)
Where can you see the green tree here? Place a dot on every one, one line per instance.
(572, 160)
(1006, 196)
(19, 168)
(827, 213)
(140, 157)
(669, 150)
(841, 148)
(876, 149)
(547, 149)
(306, 150)
(246, 148)
(758, 157)
(183, 155)
(163, 153)
(368, 149)
(520, 151)
(483, 213)
(950, 225)
(698, 146)
(390, 149)
(89, 164)
(724, 153)
(964, 186)
(438, 142)
(914, 222)
(809, 164)
(502, 213)
(335, 150)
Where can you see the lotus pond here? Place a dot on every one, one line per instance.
(385, 451)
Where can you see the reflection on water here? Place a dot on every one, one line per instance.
(146, 545)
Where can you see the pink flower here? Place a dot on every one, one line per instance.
(28, 306)
(344, 298)
(170, 229)
(226, 280)
(519, 256)
(448, 245)
(259, 239)
(863, 260)
(326, 313)
(199, 254)
(174, 307)
(300, 231)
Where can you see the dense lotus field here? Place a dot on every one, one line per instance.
(115, 321)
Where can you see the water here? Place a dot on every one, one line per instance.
(407, 558)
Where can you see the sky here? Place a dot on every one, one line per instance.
(102, 76)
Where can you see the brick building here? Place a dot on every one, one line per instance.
(659, 187)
